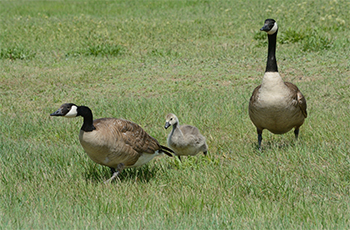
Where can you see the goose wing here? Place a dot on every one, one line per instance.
(298, 96)
(189, 129)
(136, 137)
(129, 135)
(192, 134)
(255, 95)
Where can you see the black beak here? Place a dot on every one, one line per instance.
(166, 125)
(265, 28)
(57, 113)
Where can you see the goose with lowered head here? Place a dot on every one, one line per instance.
(115, 143)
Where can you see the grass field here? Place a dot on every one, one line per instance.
(199, 59)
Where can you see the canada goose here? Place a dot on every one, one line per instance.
(184, 140)
(115, 143)
(276, 105)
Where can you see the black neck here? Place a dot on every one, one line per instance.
(271, 65)
(86, 113)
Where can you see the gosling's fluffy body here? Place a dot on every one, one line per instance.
(184, 140)
(276, 105)
(115, 143)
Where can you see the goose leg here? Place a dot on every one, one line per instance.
(259, 137)
(112, 170)
(296, 132)
(205, 153)
(115, 173)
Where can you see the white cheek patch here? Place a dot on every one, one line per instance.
(273, 30)
(73, 112)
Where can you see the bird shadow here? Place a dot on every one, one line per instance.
(99, 174)
(194, 162)
(270, 145)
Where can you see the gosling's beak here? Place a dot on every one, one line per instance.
(166, 125)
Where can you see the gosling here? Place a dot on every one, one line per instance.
(184, 140)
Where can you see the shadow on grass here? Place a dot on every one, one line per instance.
(274, 144)
(194, 162)
(99, 174)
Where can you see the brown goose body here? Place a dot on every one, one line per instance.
(112, 142)
(276, 105)
(185, 140)
(118, 141)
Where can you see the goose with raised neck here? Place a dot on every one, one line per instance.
(276, 105)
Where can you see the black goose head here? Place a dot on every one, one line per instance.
(67, 110)
(270, 26)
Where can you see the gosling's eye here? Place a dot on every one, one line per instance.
(171, 119)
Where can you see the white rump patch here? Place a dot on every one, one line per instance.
(73, 112)
(273, 30)
(145, 158)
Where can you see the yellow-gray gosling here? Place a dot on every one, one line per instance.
(184, 140)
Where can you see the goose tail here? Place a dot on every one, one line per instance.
(166, 150)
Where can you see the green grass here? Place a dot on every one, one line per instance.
(201, 60)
